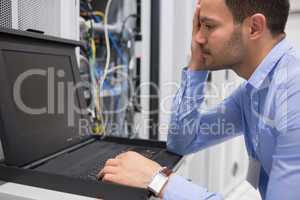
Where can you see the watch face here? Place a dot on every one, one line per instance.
(158, 183)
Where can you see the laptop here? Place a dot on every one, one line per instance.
(41, 128)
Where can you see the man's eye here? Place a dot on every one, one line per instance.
(209, 26)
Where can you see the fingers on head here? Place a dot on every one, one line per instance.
(196, 14)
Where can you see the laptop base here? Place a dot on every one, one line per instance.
(90, 188)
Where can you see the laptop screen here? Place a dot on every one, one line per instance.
(42, 104)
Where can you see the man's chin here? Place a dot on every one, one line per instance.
(214, 67)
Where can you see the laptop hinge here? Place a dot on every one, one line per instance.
(44, 160)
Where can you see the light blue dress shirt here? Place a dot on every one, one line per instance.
(265, 109)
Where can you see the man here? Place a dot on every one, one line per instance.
(248, 37)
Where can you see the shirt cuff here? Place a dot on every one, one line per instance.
(194, 82)
(179, 188)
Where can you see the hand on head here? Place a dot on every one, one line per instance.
(196, 61)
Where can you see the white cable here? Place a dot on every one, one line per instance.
(107, 38)
(131, 63)
(107, 59)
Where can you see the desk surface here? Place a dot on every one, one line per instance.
(12, 191)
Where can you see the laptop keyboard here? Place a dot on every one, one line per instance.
(86, 162)
(92, 172)
(148, 153)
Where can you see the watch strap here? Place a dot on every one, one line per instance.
(166, 171)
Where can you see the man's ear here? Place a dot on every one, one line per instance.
(257, 26)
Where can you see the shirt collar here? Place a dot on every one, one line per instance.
(268, 64)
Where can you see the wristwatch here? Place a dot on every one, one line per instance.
(159, 180)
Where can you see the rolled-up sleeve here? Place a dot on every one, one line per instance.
(192, 129)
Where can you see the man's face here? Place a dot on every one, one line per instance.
(221, 40)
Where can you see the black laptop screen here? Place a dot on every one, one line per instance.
(41, 87)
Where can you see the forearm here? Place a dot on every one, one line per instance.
(184, 124)
(190, 128)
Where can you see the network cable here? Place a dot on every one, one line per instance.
(106, 69)
(124, 62)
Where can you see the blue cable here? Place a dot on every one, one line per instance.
(97, 18)
(117, 48)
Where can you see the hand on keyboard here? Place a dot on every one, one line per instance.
(130, 168)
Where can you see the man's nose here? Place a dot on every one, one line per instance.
(200, 37)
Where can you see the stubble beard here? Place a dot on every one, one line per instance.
(232, 56)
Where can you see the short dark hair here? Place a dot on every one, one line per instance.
(275, 11)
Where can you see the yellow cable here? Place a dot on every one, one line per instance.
(93, 45)
(99, 13)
